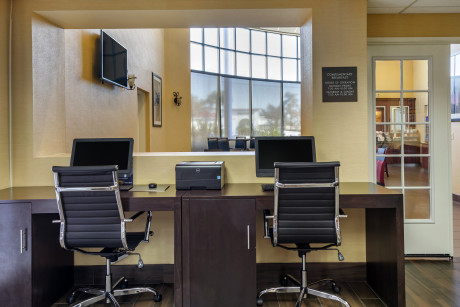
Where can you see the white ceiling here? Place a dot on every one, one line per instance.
(412, 6)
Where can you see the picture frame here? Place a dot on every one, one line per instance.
(157, 99)
(380, 116)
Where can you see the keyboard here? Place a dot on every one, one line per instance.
(125, 187)
(268, 186)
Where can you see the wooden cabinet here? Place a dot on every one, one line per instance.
(52, 267)
(16, 260)
(219, 253)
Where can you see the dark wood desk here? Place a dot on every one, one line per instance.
(202, 222)
(41, 274)
(384, 237)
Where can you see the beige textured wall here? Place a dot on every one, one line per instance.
(338, 32)
(69, 99)
(340, 129)
(4, 130)
(48, 68)
(413, 25)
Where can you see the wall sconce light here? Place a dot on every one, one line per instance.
(177, 99)
(131, 79)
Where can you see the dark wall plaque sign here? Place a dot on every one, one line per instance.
(340, 84)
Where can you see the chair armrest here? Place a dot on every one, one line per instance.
(147, 222)
(135, 216)
(147, 226)
(342, 214)
(266, 218)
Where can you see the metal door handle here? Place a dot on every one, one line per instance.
(249, 247)
(23, 240)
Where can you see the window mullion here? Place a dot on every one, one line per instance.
(282, 108)
(251, 132)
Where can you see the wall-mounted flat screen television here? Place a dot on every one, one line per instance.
(114, 61)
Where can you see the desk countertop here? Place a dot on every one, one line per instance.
(352, 195)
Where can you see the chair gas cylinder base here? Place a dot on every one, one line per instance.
(303, 287)
(306, 210)
(110, 291)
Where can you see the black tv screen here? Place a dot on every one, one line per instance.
(282, 149)
(114, 61)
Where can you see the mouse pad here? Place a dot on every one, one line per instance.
(145, 188)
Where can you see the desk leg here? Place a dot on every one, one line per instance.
(177, 253)
(385, 254)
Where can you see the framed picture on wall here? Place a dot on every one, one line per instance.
(380, 114)
(156, 100)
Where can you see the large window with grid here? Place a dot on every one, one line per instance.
(245, 82)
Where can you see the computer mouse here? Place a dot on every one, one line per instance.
(152, 185)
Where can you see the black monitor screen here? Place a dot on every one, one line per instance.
(92, 152)
(282, 149)
(114, 60)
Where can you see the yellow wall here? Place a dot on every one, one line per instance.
(413, 25)
(338, 32)
(4, 139)
(176, 119)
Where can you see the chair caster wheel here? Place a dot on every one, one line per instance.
(284, 280)
(336, 288)
(298, 304)
(157, 298)
(260, 302)
(71, 298)
(124, 284)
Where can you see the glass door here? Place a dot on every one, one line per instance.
(411, 129)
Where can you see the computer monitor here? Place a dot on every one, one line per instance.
(282, 149)
(107, 151)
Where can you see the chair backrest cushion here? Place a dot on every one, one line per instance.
(224, 144)
(212, 143)
(240, 143)
(92, 218)
(307, 214)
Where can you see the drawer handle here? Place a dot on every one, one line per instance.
(249, 247)
(23, 240)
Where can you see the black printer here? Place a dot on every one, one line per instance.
(199, 175)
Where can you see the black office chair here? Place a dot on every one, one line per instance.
(91, 215)
(252, 144)
(241, 143)
(213, 143)
(223, 144)
(306, 211)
